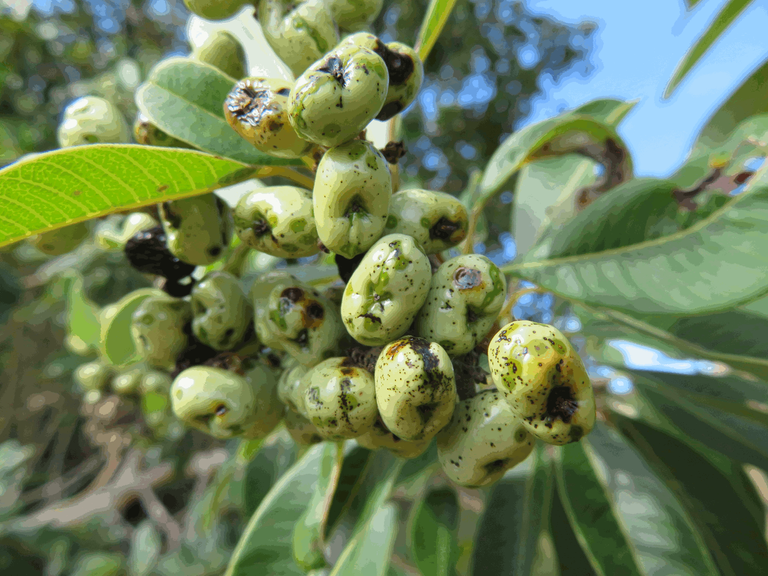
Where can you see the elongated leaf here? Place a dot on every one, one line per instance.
(434, 549)
(354, 471)
(82, 314)
(726, 511)
(728, 387)
(626, 519)
(435, 18)
(730, 12)
(146, 545)
(606, 110)
(691, 3)
(266, 544)
(50, 190)
(369, 552)
(274, 458)
(117, 346)
(517, 514)
(571, 559)
(185, 98)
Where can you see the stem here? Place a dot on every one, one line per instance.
(290, 173)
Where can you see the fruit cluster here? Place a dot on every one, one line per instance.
(388, 355)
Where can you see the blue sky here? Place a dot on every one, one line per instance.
(637, 47)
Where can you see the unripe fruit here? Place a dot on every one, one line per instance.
(148, 253)
(379, 437)
(352, 191)
(61, 240)
(484, 440)
(301, 430)
(338, 96)
(259, 297)
(415, 388)
(157, 328)
(216, 9)
(145, 132)
(438, 221)
(93, 375)
(290, 387)
(156, 382)
(269, 409)
(115, 237)
(221, 311)
(544, 381)
(465, 297)
(386, 290)
(92, 120)
(350, 14)
(128, 382)
(198, 229)
(340, 399)
(223, 51)
(299, 33)
(278, 220)
(257, 109)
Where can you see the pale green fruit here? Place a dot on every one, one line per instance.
(544, 381)
(353, 187)
(92, 120)
(156, 382)
(338, 96)
(221, 311)
(278, 220)
(198, 229)
(113, 236)
(415, 388)
(484, 440)
(386, 290)
(128, 381)
(61, 240)
(223, 51)
(259, 296)
(340, 399)
(301, 430)
(308, 325)
(93, 375)
(269, 409)
(379, 437)
(438, 221)
(465, 298)
(299, 32)
(216, 9)
(351, 14)
(290, 387)
(257, 109)
(146, 132)
(157, 328)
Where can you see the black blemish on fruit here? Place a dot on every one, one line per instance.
(284, 91)
(425, 411)
(472, 315)
(576, 433)
(400, 66)
(443, 229)
(302, 339)
(371, 317)
(393, 151)
(389, 110)
(148, 253)
(335, 68)
(495, 466)
(260, 228)
(215, 251)
(220, 410)
(465, 278)
(247, 102)
(561, 404)
(173, 218)
(292, 294)
(315, 311)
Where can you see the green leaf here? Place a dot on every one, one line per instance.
(691, 3)
(571, 559)
(146, 545)
(309, 532)
(274, 458)
(725, 508)
(719, 262)
(185, 98)
(47, 191)
(626, 519)
(606, 110)
(726, 387)
(434, 549)
(369, 552)
(730, 12)
(508, 540)
(354, 470)
(435, 18)
(117, 346)
(82, 315)
(266, 544)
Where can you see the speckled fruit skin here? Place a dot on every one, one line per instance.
(350, 14)
(257, 109)
(290, 387)
(353, 187)
(386, 290)
(221, 311)
(92, 120)
(198, 229)
(415, 388)
(259, 297)
(464, 299)
(215, 9)
(484, 440)
(438, 221)
(278, 220)
(379, 437)
(301, 430)
(60, 241)
(543, 380)
(308, 325)
(157, 328)
(93, 375)
(299, 32)
(405, 69)
(340, 399)
(336, 98)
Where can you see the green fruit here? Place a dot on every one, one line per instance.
(61, 240)
(308, 326)
(269, 409)
(198, 229)
(543, 380)
(340, 399)
(257, 109)
(484, 440)
(259, 296)
(386, 290)
(436, 220)
(465, 297)
(221, 311)
(145, 132)
(128, 381)
(92, 120)
(352, 191)
(299, 32)
(158, 329)
(351, 14)
(93, 375)
(216, 9)
(415, 388)
(338, 96)
(156, 382)
(290, 387)
(379, 437)
(301, 430)
(278, 220)
(405, 69)
(114, 237)
(223, 51)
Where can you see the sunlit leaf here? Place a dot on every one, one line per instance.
(435, 18)
(369, 552)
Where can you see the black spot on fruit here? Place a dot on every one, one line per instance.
(292, 294)
(561, 404)
(335, 68)
(248, 102)
(148, 253)
(443, 229)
